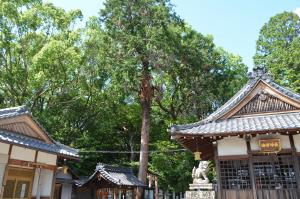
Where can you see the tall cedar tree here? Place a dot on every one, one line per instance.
(138, 32)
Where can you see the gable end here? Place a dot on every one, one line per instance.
(21, 127)
(264, 102)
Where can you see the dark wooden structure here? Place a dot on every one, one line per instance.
(109, 182)
(254, 139)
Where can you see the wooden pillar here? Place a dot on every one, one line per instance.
(296, 163)
(156, 187)
(38, 191)
(115, 193)
(251, 169)
(93, 192)
(219, 191)
(5, 176)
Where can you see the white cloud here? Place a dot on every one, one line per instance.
(297, 11)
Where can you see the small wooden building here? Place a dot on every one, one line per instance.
(28, 156)
(109, 182)
(254, 139)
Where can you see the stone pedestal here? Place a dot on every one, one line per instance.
(200, 191)
(200, 195)
(201, 188)
(204, 186)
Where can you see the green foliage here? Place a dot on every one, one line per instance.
(138, 38)
(174, 170)
(277, 48)
(83, 84)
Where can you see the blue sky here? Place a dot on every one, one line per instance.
(234, 24)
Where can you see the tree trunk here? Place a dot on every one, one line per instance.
(146, 97)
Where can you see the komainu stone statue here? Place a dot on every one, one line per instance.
(201, 188)
(199, 174)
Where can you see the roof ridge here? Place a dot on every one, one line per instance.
(287, 90)
(18, 110)
(108, 167)
(263, 115)
(13, 107)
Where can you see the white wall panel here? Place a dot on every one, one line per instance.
(3, 163)
(232, 146)
(297, 142)
(46, 182)
(35, 182)
(284, 140)
(46, 158)
(4, 148)
(20, 153)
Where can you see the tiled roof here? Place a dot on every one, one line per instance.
(25, 141)
(214, 123)
(276, 122)
(21, 110)
(120, 176)
(14, 111)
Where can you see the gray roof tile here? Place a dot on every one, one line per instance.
(214, 123)
(16, 138)
(25, 141)
(283, 121)
(120, 176)
(13, 111)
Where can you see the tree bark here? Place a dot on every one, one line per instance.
(146, 94)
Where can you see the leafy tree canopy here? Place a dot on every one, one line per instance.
(84, 85)
(277, 48)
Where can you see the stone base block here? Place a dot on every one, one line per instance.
(203, 186)
(200, 194)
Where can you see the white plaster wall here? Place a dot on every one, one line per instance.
(284, 140)
(297, 142)
(46, 158)
(4, 148)
(66, 191)
(232, 146)
(46, 182)
(20, 153)
(42, 184)
(35, 182)
(3, 163)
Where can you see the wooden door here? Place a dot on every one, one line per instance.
(18, 184)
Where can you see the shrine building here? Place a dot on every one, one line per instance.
(29, 157)
(109, 182)
(254, 140)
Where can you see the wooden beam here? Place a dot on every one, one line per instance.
(156, 187)
(296, 163)
(219, 193)
(5, 173)
(233, 157)
(23, 163)
(206, 136)
(251, 168)
(53, 182)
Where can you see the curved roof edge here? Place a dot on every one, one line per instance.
(259, 74)
(30, 142)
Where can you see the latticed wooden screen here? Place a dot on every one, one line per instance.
(235, 174)
(274, 172)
